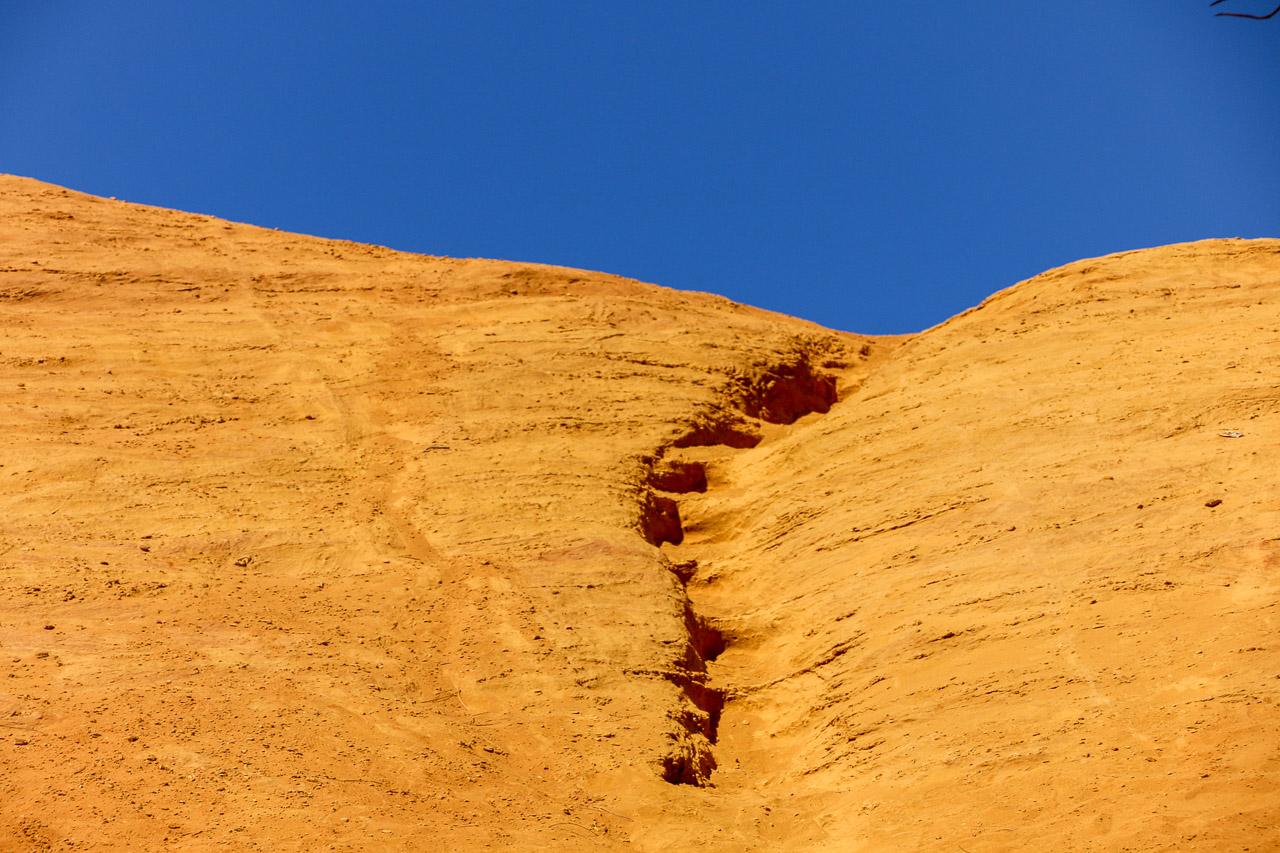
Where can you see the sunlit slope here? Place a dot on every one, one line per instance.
(306, 544)
(1019, 590)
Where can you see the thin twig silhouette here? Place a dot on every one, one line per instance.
(1270, 14)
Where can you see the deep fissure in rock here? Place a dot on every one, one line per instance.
(679, 477)
(683, 570)
(780, 394)
(660, 520)
(706, 641)
(733, 433)
(786, 393)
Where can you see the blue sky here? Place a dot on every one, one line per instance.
(872, 166)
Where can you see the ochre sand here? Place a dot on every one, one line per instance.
(310, 545)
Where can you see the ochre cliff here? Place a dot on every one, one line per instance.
(314, 545)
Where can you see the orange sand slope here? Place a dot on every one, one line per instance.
(314, 545)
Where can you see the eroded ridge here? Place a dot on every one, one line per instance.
(779, 394)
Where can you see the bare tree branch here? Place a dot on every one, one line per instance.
(1270, 14)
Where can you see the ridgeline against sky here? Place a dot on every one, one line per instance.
(874, 167)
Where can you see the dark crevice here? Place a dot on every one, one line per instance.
(785, 393)
(707, 703)
(660, 520)
(691, 760)
(730, 433)
(706, 641)
(689, 763)
(780, 394)
(683, 570)
(679, 477)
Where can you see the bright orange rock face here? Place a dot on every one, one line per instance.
(314, 545)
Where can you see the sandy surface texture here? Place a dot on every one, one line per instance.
(311, 545)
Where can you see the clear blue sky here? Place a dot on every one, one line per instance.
(873, 166)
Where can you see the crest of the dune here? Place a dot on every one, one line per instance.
(315, 545)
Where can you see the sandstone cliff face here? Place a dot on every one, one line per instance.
(310, 544)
